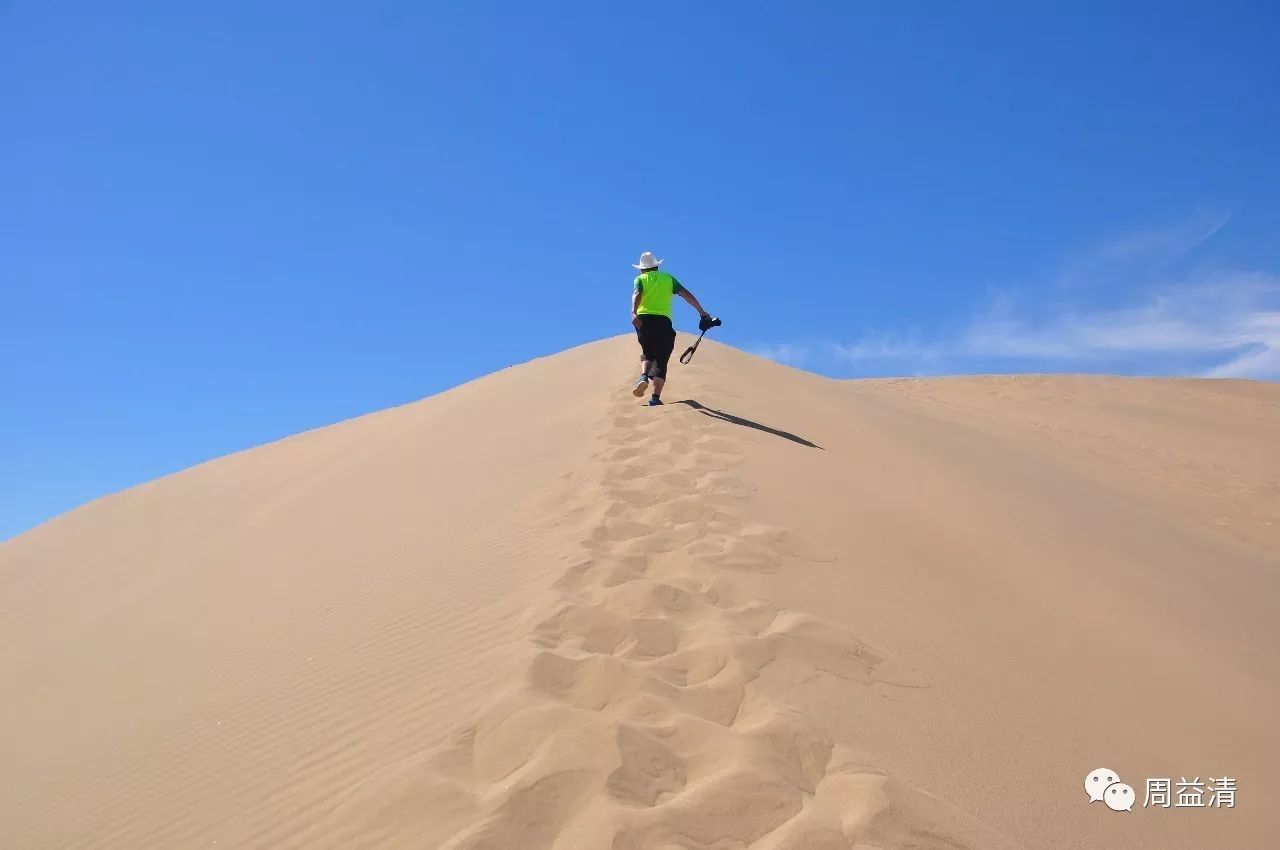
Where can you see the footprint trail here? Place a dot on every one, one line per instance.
(635, 726)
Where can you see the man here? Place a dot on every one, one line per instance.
(651, 315)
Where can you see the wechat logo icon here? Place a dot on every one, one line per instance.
(1103, 785)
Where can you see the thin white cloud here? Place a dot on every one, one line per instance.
(1165, 242)
(1259, 358)
(1141, 252)
(1262, 363)
(790, 354)
(1232, 318)
(1221, 325)
(886, 346)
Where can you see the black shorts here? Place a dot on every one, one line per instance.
(657, 341)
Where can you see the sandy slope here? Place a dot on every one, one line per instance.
(795, 613)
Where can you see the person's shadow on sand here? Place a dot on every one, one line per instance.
(747, 423)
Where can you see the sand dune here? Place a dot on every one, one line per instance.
(789, 612)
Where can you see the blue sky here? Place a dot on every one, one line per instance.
(225, 223)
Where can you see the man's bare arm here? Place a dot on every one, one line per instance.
(693, 302)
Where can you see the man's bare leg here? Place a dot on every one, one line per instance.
(643, 383)
(658, 383)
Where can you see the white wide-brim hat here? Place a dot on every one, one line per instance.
(647, 261)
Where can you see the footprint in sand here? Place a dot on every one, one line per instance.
(626, 472)
(678, 510)
(730, 551)
(649, 772)
(597, 630)
(659, 542)
(616, 529)
(723, 483)
(643, 497)
(601, 572)
(785, 542)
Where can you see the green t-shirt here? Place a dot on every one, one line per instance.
(656, 291)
